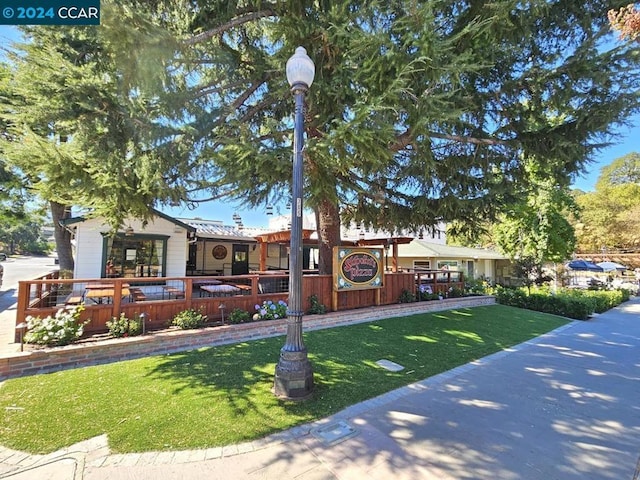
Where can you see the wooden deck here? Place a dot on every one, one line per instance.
(160, 299)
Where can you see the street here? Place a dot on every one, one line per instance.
(21, 268)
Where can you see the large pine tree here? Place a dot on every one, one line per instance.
(80, 135)
(421, 112)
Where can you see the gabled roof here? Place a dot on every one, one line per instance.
(80, 219)
(420, 248)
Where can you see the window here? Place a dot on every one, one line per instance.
(135, 256)
(422, 265)
(447, 264)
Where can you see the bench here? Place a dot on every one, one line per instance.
(137, 294)
(74, 298)
(45, 300)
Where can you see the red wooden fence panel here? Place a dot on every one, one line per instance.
(160, 299)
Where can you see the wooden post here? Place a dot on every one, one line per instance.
(255, 289)
(188, 292)
(117, 298)
(23, 302)
(263, 256)
(394, 260)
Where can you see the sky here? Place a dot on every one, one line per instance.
(628, 142)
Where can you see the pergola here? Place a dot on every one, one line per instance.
(386, 242)
(284, 237)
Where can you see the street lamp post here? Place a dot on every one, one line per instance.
(294, 374)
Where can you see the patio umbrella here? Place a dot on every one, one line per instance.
(584, 265)
(611, 266)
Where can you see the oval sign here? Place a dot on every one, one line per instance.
(359, 267)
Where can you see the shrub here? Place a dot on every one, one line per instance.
(238, 315)
(478, 287)
(124, 327)
(406, 296)
(425, 293)
(61, 329)
(626, 294)
(455, 292)
(514, 297)
(606, 299)
(188, 319)
(576, 304)
(316, 306)
(270, 310)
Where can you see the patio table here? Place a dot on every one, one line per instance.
(171, 290)
(104, 295)
(220, 290)
(103, 286)
(211, 281)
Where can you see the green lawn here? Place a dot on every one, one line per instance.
(221, 395)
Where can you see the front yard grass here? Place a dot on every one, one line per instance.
(222, 395)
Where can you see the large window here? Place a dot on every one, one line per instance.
(135, 256)
(447, 265)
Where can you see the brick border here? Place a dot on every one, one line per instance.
(170, 341)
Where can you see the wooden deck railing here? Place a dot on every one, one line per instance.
(439, 281)
(160, 299)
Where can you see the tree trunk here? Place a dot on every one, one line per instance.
(62, 236)
(328, 221)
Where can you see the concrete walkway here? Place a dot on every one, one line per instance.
(563, 406)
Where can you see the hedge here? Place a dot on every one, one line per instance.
(576, 304)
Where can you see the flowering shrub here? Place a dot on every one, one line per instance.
(270, 310)
(478, 287)
(124, 327)
(455, 292)
(61, 329)
(190, 318)
(238, 315)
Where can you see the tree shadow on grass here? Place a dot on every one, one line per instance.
(234, 382)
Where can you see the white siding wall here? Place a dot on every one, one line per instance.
(481, 267)
(489, 270)
(89, 245)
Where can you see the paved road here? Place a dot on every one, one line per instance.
(18, 268)
(15, 269)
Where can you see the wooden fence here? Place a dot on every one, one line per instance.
(158, 300)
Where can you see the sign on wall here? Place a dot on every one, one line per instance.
(357, 268)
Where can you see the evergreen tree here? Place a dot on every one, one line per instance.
(13, 193)
(79, 134)
(421, 112)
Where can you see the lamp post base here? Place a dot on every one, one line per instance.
(294, 376)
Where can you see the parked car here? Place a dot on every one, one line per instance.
(1, 273)
(596, 283)
(3, 256)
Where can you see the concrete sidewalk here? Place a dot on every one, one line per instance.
(563, 406)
